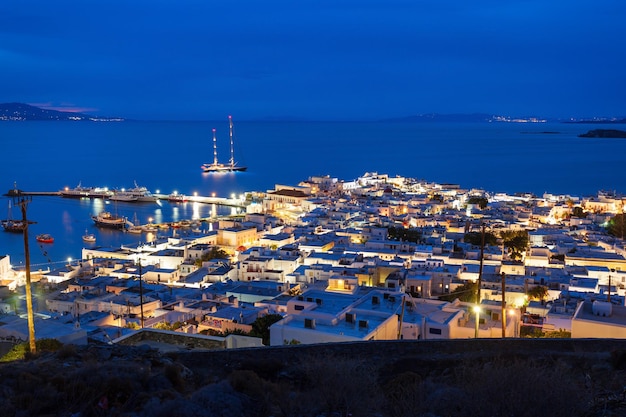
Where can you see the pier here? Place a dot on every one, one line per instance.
(220, 201)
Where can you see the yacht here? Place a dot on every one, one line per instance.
(135, 194)
(231, 166)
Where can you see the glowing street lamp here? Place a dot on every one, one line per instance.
(477, 317)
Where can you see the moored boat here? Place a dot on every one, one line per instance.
(77, 192)
(106, 219)
(44, 238)
(13, 226)
(231, 166)
(135, 194)
(175, 197)
(89, 237)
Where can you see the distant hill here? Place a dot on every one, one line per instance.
(604, 133)
(22, 111)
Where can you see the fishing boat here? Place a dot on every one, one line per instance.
(106, 219)
(89, 237)
(175, 197)
(135, 227)
(216, 166)
(13, 226)
(44, 238)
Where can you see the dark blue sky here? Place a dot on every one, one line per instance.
(322, 59)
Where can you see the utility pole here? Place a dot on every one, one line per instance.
(503, 308)
(480, 268)
(141, 293)
(23, 201)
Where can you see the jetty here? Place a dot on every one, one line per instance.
(220, 201)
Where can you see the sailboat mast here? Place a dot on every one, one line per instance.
(214, 148)
(232, 152)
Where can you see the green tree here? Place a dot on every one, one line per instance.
(475, 238)
(261, 327)
(406, 235)
(516, 242)
(616, 226)
(214, 253)
(479, 201)
(539, 292)
(465, 292)
(579, 212)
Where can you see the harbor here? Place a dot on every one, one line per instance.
(195, 198)
(76, 221)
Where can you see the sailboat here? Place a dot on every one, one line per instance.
(89, 237)
(216, 166)
(13, 226)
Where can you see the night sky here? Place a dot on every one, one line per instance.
(317, 60)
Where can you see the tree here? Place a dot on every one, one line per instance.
(475, 238)
(214, 253)
(406, 235)
(539, 292)
(261, 327)
(479, 201)
(465, 292)
(579, 212)
(516, 242)
(615, 226)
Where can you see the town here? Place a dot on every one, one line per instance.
(328, 260)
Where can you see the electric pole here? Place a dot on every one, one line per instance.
(141, 293)
(480, 268)
(23, 201)
(503, 308)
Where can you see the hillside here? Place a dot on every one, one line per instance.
(24, 112)
(513, 377)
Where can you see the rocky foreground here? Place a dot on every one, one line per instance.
(516, 377)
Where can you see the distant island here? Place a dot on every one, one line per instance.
(603, 133)
(24, 112)
(465, 118)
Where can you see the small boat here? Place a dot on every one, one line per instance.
(106, 219)
(231, 166)
(89, 237)
(45, 238)
(135, 227)
(175, 197)
(13, 226)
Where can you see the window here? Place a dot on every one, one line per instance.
(434, 330)
(298, 307)
(309, 323)
(350, 317)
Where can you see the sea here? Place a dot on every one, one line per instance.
(164, 157)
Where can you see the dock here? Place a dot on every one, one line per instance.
(220, 201)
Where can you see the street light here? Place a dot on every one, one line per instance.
(477, 317)
(513, 316)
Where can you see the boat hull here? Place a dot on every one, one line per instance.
(109, 221)
(210, 168)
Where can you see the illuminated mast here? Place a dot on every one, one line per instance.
(232, 152)
(214, 148)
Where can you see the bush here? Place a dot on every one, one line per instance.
(22, 350)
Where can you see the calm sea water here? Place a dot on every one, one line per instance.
(166, 157)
